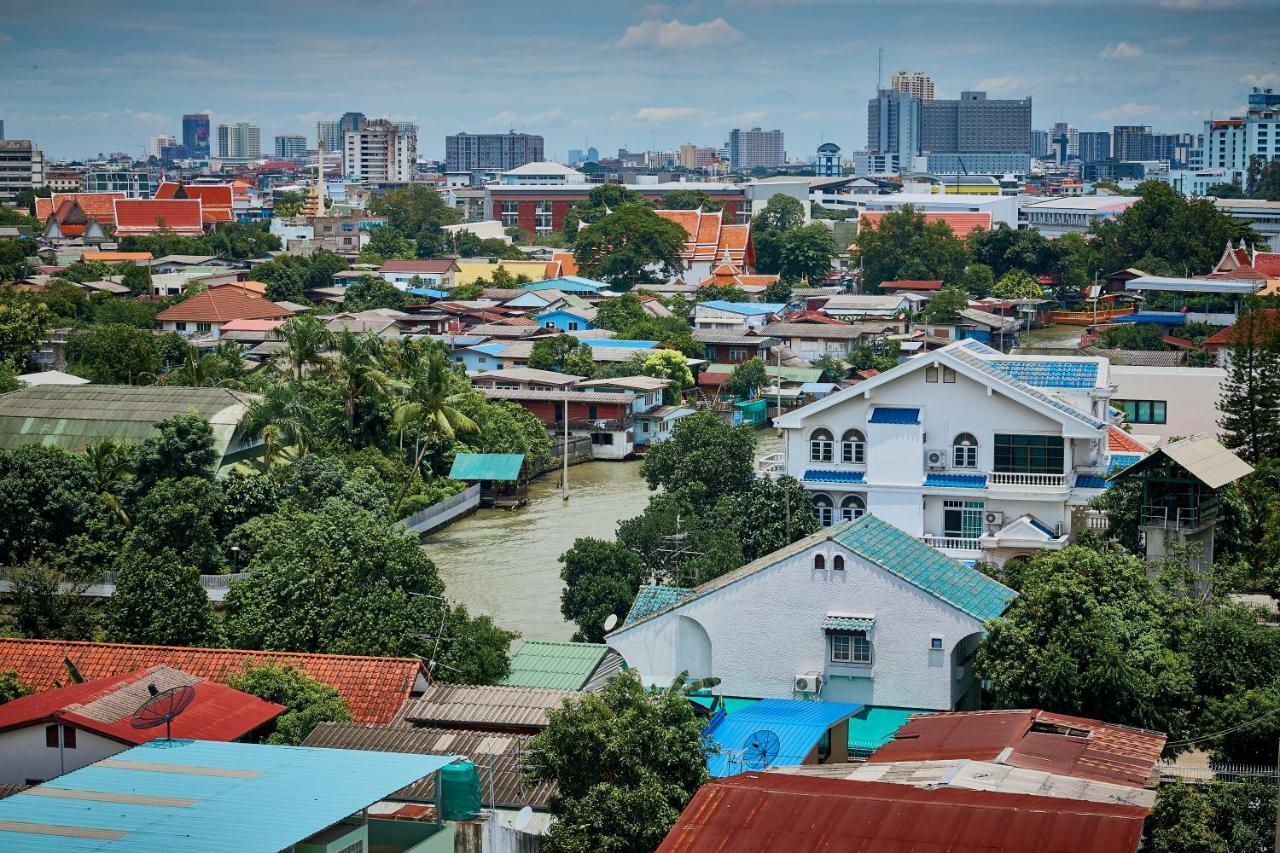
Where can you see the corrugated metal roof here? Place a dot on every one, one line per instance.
(500, 753)
(797, 724)
(485, 707)
(558, 666)
(956, 481)
(603, 398)
(1210, 462)
(816, 475)
(768, 812)
(503, 467)
(1076, 373)
(264, 798)
(894, 415)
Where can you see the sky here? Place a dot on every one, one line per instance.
(87, 77)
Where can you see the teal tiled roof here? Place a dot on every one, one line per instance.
(966, 589)
(848, 623)
(651, 599)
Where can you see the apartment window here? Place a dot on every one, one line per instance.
(1143, 411)
(962, 519)
(822, 505)
(964, 451)
(203, 327)
(850, 647)
(853, 447)
(182, 327)
(737, 354)
(821, 446)
(510, 214)
(853, 506)
(1028, 454)
(542, 216)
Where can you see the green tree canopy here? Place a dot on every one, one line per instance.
(600, 579)
(624, 247)
(183, 448)
(158, 600)
(372, 291)
(780, 213)
(307, 702)
(11, 688)
(1250, 400)
(946, 305)
(1018, 284)
(23, 321)
(703, 453)
(806, 253)
(690, 200)
(904, 246)
(747, 378)
(413, 211)
(114, 354)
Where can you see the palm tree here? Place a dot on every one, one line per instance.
(684, 686)
(430, 404)
(112, 465)
(305, 338)
(280, 416)
(360, 363)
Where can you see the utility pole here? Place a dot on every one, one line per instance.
(564, 476)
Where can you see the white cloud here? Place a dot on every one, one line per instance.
(1121, 50)
(5, 38)
(1132, 109)
(657, 115)
(510, 118)
(1269, 79)
(1002, 85)
(676, 35)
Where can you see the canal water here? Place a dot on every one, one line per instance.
(504, 562)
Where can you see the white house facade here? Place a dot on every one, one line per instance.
(860, 612)
(983, 455)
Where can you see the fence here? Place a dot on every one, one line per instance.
(1214, 772)
(215, 586)
(440, 514)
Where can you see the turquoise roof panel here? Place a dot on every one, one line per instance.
(871, 728)
(558, 666)
(797, 724)
(651, 599)
(503, 467)
(229, 796)
(1051, 374)
(966, 589)
(749, 309)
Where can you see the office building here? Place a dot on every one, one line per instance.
(1, 129)
(1072, 135)
(755, 149)
(328, 133)
(21, 167)
(1132, 142)
(1095, 146)
(1172, 148)
(1231, 143)
(828, 163)
(351, 122)
(158, 145)
(917, 84)
(291, 146)
(696, 156)
(381, 152)
(1039, 144)
(977, 163)
(240, 141)
(492, 152)
(195, 136)
(134, 183)
(576, 157)
(975, 123)
(893, 125)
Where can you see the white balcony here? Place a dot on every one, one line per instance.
(1008, 479)
(958, 547)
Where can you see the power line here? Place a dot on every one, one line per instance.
(1237, 728)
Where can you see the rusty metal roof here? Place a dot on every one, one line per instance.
(459, 706)
(755, 813)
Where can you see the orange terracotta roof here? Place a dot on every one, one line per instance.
(907, 284)
(374, 687)
(1267, 263)
(256, 287)
(98, 205)
(210, 195)
(1268, 318)
(709, 238)
(1119, 441)
(251, 325)
(568, 266)
(962, 224)
(145, 216)
(219, 304)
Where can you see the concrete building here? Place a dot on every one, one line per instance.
(291, 146)
(1039, 144)
(21, 167)
(1196, 182)
(893, 128)
(1071, 134)
(1172, 148)
(756, 148)
(1095, 146)
(696, 156)
(982, 455)
(134, 183)
(1132, 142)
(495, 152)
(1054, 217)
(1164, 402)
(917, 84)
(157, 144)
(975, 123)
(195, 136)
(542, 207)
(380, 152)
(1262, 216)
(542, 174)
(1, 129)
(240, 141)
(978, 163)
(328, 133)
(828, 164)
(1231, 143)
(69, 180)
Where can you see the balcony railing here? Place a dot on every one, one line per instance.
(771, 465)
(1181, 518)
(951, 543)
(1012, 478)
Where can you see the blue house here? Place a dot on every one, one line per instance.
(479, 358)
(569, 319)
(574, 284)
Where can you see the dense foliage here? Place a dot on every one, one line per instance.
(307, 702)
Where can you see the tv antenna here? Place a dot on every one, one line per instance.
(677, 547)
(162, 707)
(760, 750)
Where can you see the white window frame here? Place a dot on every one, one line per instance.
(853, 447)
(822, 445)
(823, 506)
(964, 454)
(853, 506)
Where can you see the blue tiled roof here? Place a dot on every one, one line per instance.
(488, 349)
(1042, 527)
(894, 415)
(986, 366)
(968, 590)
(979, 347)
(956, 481)
(620, 342)
(747, 308)
(1051, 374)
(798, 725)
(429, 292)
(815, 475)
(1089, 481)
(651, 599)
(1120, 461)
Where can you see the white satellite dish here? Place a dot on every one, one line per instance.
(610, 622)
(522, 818)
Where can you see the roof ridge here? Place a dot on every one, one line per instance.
(218, 649)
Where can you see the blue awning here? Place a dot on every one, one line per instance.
(895, 415)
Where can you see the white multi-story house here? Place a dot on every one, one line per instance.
(984, 455)
(859, 612)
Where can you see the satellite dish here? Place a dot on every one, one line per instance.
(162, 707)
(760, 750)
(610, 622)
(522, 818)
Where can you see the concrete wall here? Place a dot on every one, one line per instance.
(1190, 394)
(27, 757)
(764, 630)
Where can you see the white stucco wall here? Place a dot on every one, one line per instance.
(1190, 395)
(25, 755)
(764, 630)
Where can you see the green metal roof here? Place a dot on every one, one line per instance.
(560, 666)
(966, 589)
(503, 467)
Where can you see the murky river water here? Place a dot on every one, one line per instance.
(503, 562)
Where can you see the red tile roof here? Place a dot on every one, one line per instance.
(1268, 317)
(374, 687)
(709, 237)
(98, 205)
(1267, 263)
(766, 812)
(219, 304)
(962, 224)
(910, 285)
(438, 266)
(1119, 441)
(568, 266)
(210, 195)
(145, 216)
(1033, 740)
(105, 705)
(114, 257)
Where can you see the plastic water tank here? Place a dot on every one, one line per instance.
(459, 791)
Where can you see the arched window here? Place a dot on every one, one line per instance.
(854, 506)
(819, 562)
(822, 504)
(964, 451)
(853, 447)
(821, 446)
(837, 562)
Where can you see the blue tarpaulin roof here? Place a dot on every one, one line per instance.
(894, 415)
(797, 724)
(204, 796)
(429, 292)
(503, 467)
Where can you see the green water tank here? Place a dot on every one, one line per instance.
(459, 791)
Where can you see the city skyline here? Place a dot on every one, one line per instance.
(621, 76)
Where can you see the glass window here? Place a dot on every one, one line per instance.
(838, 563)
(935, 643)
(1028, 454)
(861, 647)
(68, 737)
(841, 648)
(948, 375)
(964, 451)
(853, 447)
(819, 562)
(51, 737)
(510, 214)
(822, 504)
(962, 519)
(850, 647)
(737, 354)
(821, 446)
(853, 506)
(931, 373)
(542, 216)
(1143, 411)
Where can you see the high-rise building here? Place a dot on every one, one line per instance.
(893, 125)
(917, 84)
(1231, 143)
(593, 155)
(351, 122)
(240, 141)
(195, 136)
(291, 146)
(976, 124)
(1039, 143)
(575, 157)
(696, 156)
(381, 152)
(1173, 148)
(1, 129)
(756, 148)
(157, 145)
(21, 167)
(329, 133)
(1132, 142)
(492, 152)
(1095, 146)
(828, 163)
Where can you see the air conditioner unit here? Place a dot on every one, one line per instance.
(810, 682)
(936, 460)
(993, 518)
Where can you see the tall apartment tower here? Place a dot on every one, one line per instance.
(1040, 143)
(195, 135)
(381, 152)
(975, 123)
(240, 141)
(1231, 143)
(1061, 128)
(328, 133)
(1095, 146)
(1132, 142)
(291, 146)
(894, 125)
(917, 84)
(756, 148)
(21, 167)
(492, 152)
